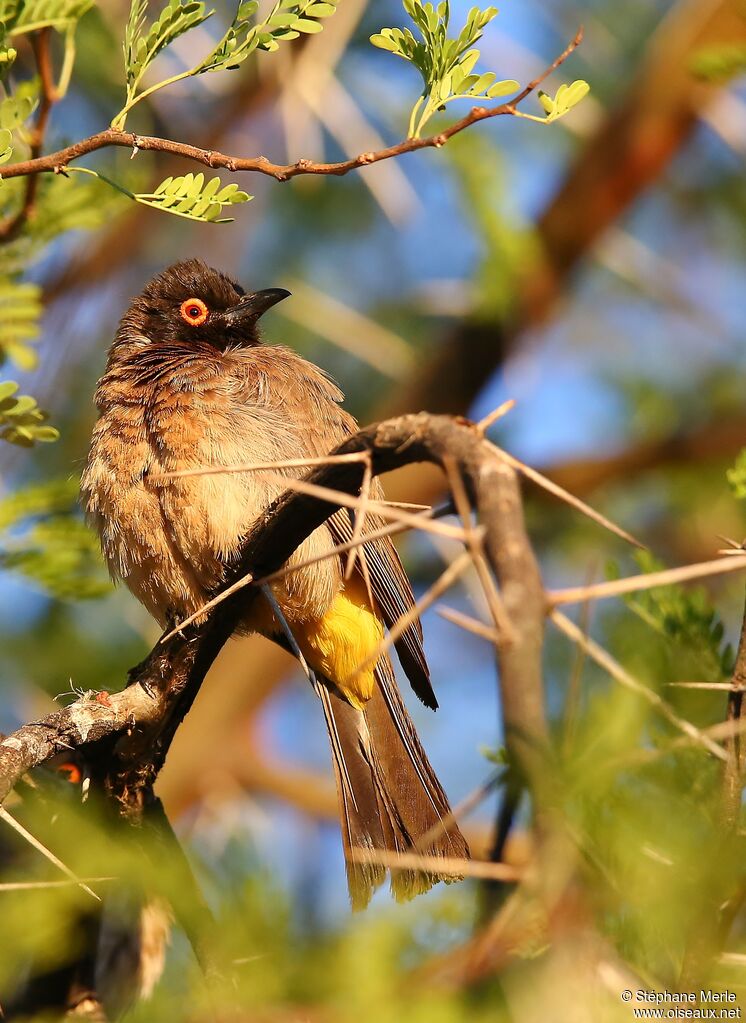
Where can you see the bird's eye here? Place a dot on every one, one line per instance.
(194, 311)
(70, 772)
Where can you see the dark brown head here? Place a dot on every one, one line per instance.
(190, 302)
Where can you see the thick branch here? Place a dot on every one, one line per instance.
(56, 162)
(174, 671)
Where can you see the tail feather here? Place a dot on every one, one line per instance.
(389, 796)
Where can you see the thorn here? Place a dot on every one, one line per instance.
(502, 410)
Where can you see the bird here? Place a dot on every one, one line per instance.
(190, 383)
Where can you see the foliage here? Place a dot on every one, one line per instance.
(286, 20)
(43, 538)
(446, 64)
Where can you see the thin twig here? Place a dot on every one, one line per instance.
(502, 410)
(437, 864)
(28, 886)
(564, 495)
(55, 162)
(645, 581)
(468, 623)
(475, 546)
(381, 508)
(360, 514)
(282, 463)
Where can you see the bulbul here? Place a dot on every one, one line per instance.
(190, 384)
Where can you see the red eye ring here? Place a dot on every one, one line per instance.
(193, 311)
(70, 772)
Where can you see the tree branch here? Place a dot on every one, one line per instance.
(140, 722)
(57, 162)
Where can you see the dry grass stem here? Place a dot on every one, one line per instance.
(647, 581)
(615, 669)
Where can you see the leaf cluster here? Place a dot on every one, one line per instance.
(566, 97)
(445, 64)
(22, 422)
(188, 196)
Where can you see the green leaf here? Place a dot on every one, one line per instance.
(16, 109)
(504, 88)
(188, 196)
(546, 101)
(384, 41)
(31, 15)
(307, 26)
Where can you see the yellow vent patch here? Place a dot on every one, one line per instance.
(337, 644)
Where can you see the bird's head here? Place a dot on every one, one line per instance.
(189, 302)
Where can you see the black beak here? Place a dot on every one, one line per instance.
(251, 307)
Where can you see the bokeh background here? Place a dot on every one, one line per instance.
(594, 272)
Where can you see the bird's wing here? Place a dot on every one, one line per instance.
(311, 401)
